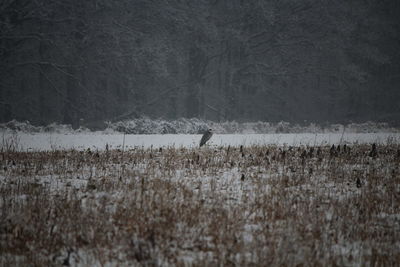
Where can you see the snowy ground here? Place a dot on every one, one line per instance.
(162, 201)
(99, 141)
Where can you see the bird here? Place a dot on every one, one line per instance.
(206, 136)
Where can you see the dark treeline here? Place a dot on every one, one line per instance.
(317, 60)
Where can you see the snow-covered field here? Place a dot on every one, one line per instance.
(99, 141)
(243, 200)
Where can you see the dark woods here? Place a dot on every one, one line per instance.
(79, 62)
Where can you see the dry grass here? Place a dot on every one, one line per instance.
(260, 205)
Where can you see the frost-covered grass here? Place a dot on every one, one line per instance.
(145, 125)
(229, 205)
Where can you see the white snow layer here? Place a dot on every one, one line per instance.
(56, 141)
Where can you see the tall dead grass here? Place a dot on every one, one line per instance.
(259, 205)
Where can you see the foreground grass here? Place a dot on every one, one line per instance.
(260, 205)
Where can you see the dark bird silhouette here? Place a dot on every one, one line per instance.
(206, 136)
(373, 153)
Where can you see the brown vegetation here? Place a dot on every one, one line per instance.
(259, 205)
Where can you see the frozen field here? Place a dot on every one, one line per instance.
(162, 201)
(99, 141)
